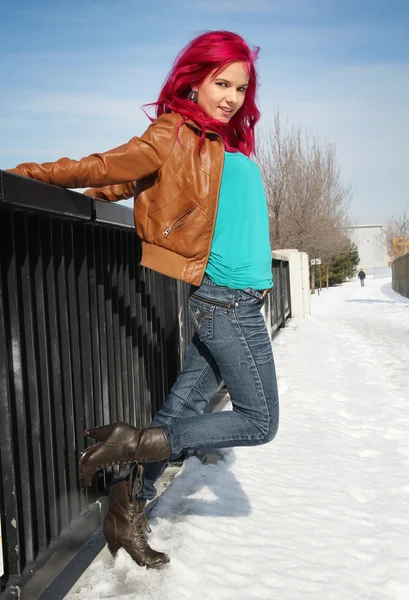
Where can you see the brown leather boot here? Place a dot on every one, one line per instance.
(124, 527)
(121, 442)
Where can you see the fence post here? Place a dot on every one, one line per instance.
(282, 291)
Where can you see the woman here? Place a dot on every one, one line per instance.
(201, 213)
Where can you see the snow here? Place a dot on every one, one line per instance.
(322, 511)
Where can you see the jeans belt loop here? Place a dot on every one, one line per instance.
(265, 292)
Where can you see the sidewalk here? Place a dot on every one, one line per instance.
(322, 511)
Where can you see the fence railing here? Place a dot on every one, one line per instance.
(87, 337)
(278, 303)
(400, 275)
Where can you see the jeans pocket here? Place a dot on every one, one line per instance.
(202, 317)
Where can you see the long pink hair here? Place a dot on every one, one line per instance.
(213, 51)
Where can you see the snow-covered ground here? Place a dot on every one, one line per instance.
(322, 512)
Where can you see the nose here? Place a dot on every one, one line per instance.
(231, 95)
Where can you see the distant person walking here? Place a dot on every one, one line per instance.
(362, 277)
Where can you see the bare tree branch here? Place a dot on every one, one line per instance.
(308, 203)
(395, 235)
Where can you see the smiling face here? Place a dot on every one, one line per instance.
(221, 96)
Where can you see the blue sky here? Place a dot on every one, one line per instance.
(75, 74)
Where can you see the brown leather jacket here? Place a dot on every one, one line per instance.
(176, 190)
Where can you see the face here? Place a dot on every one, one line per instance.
(222, 96)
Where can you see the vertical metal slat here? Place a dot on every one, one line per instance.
(8, 491)
(70, 453)
(56, 425)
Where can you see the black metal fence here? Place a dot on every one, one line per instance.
(87, 336)
(278, 304)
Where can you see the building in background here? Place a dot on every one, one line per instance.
(373, 257)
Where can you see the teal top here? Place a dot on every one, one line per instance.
(240, 254)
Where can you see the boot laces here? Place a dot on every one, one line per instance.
(139, 521)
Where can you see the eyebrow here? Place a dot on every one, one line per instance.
(229, 82)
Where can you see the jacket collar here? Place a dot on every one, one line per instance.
(197, 127)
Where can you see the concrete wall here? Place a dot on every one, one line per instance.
(299, 281)
(368, 239)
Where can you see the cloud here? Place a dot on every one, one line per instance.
(78, 104)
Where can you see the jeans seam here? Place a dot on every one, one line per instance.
(243, 438)
(255, 365)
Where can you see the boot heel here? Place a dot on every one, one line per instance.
(84, 472)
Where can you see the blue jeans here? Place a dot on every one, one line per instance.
(230, 344)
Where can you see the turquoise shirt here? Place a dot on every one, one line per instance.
(240, 254)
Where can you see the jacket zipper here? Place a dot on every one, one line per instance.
(177, 223)
(207, 301)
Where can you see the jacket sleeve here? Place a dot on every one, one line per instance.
(113, 193)
(139, 158)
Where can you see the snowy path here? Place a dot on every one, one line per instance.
(323, 511)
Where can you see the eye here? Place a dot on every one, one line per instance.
(221, 83)
(242, 89)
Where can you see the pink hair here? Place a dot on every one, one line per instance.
(213, 51)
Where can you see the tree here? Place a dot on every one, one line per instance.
(307, 201)
(396, 235)
(344, 265)
(276, 156)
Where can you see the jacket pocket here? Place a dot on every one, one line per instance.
(181, 227)
(179, 221)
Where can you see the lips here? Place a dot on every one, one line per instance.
(226, 111)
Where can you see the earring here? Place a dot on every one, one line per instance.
(193, 95)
